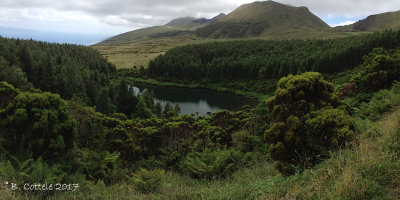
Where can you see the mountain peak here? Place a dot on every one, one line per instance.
(257, 18)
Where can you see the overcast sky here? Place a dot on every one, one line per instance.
(104, 18)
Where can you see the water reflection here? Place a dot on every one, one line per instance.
(198, 101)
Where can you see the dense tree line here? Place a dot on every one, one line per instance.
(262, 59)
(58, 68)
(73, 71)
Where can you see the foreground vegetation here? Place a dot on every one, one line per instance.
(310, 140)
(367, 169)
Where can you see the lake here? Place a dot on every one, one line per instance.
(197, 100)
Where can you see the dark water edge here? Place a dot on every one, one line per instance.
(193, 100)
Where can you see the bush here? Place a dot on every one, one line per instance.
(13, 75)
(241, 141)
(214, 164)
(308, 120)
(37, 124)
(148, 180)
(380, 69)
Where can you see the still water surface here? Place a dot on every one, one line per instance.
(197, 100)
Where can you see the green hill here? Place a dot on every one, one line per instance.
(379, 22)
(261, 19)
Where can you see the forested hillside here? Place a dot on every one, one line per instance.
(261, 60)
(59, 68)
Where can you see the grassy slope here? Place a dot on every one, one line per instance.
(137, 48)
(390, 20)
(368, 169)
(379, 22)
(140, 52)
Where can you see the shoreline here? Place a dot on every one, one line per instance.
(217, 88)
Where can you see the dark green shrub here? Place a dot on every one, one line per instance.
(37, 124)
(7, 93)
(379, 70)
(241, 141)
(308, 120)
(13, 75)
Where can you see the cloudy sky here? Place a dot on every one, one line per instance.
(95, 20)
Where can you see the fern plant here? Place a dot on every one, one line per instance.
(147, 181)
(100, 166)
(31, 171)
(214, 164)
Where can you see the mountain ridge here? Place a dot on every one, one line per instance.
(248, 20)
(376, 22)
(258, 20)
(175, 27)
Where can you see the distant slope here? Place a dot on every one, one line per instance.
(379, 22)
(176, 27)
(261, 19)
(131, 36)
(188, 23)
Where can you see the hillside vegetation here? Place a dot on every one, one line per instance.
(64, 69)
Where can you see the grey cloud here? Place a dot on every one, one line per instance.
(134, 13)
(348, 8)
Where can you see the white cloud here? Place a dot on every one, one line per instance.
(343, 23)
